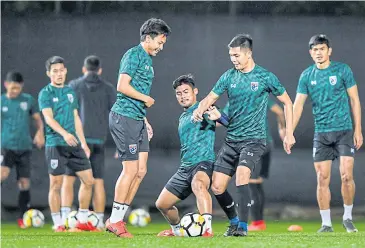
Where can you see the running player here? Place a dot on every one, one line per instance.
(96, 97)
(17, 111)
(197, 158)
(58, 104)
(330, 85)
(248, 86)
(127, 120)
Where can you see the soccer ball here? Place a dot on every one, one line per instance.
(71, 220)
(192, 225)
(34, 218)
(139, 217)
(93, 219)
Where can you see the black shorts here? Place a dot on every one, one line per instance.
(130, 136)
(97, 161)
(60, 157)
(18, 159)
(180, 183)
(262, 169)
(331, 145)
(245, 153)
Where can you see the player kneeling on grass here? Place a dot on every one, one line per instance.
(197, 158)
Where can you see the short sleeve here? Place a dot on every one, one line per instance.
(129, 63)
(221, 86)
(275, 87)
(33, 106)
(302, 85)
(44, 100)
(348, 77)
(75, 103)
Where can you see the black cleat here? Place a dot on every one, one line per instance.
(349, 226)
(325, 229)
(240, 232)
(229, 232)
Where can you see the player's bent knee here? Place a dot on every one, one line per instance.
(346, 178)
(141, 173)
(217, 188)
(88, 182)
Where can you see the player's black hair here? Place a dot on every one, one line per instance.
(54, 60)
(242, 41)
(319, 39)
(14, 76)
(154, 27)
(184, 79)
(92, 63)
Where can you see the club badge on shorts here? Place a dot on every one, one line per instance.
(54, 163)
(133, 148)
(254, 86)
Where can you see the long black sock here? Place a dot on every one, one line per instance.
(261, 191)
(256, 204)
(23, 201)
(226, 202)
(244, 203)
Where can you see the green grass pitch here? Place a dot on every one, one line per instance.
(276, 236)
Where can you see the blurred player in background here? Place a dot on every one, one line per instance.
(127, 120)
(330, 86)
(248, 87)
(197, 159)
(17, 112)
(262, 171)
(95, 97)
(65, 143)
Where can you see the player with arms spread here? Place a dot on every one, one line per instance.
(129, 127)
(248, 86)
(17, 110)
(65, 143)
(330, 84)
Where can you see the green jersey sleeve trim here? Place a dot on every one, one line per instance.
(129, 64)
(348, 77)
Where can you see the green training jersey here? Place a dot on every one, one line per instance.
(16, 119)
(196, 139)
(138, 65)
(327, 89)
(63, 102)
(247, 97)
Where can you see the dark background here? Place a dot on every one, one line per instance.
(32, 32)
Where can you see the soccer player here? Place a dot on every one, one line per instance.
(262, 171)
(65, 143)
(248, 86)
(197, 158)
(330, 85)
(96, 97)
(127, 120)
(17, 111)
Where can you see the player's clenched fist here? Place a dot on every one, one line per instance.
(197, 115)
(149, 101)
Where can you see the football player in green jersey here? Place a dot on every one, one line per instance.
(65, 143)
(330, 85)
(248, 86)
(129, 127)
(197, 158)
(17, 112)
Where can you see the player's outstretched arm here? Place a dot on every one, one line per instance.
(39, 135)
(356, 112)
(80, 133)
(280, 117)
(298, 108)
(208, 101)
(50, 121)
(125, 88)
(289, 139)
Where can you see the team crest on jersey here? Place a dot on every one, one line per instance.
(133, 148)
(313, 82)
(54, 163)
(254, 86)
(24, 106)
(4, 109)
(333, 80)
(70, 98)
